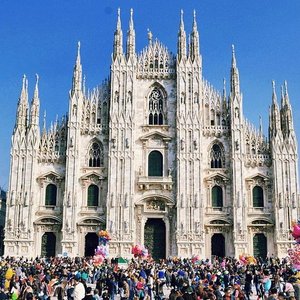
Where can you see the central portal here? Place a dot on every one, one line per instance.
(91, 243)
(218, 245)
(155, 238)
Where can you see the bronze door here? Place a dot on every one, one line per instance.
(155, 238)
(91, 243)
(218, 245)
(48, 244)
(260, 245)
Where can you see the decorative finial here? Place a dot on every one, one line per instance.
(150, 36)
(181, 17)
(24, 80)
(24, 88)
(36, 90)
(119, 19)
(194, 21)
(131, 19)
(233, 56)
(78, 53)
(273, 86)
(285, 87)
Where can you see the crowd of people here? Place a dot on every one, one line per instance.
(173, 278)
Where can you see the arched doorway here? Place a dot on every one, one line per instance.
(260, 245)
(218, 245)
(155, 238)
(91, 243)
(48, 244)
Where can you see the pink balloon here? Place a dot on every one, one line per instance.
(296, 231)
(98, 260)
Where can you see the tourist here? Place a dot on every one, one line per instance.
(79, 290)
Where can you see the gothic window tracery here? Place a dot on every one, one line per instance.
(93, 195)
(156, 107)
(51, 195)
(217, 158)
(258, 196)
(217, 196)
(155, 164)
(96, 155)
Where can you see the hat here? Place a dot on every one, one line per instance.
(77, 276)
(189, 290)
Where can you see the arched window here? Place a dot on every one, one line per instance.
(155, 164)
(93, 195)
(96, 155)
(51, 194)
(217, 159)
(258, 197)
(156, 107)
(217, 196)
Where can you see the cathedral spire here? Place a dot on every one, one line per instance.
(274, 125)
(130, 46)
(181, 44)
(286, 111)
(282, 97)
(286, 94)
(194, 43)
(77, 73)
(22, 109)
(118, 38)
(234, 76)
(224, 90)
(36, 89)
(35, 104)
(274, 97)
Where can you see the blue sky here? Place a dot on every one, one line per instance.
(41, 37)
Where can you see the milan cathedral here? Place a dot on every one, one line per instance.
(158, 157)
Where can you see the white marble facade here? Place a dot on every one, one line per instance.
(156, 141)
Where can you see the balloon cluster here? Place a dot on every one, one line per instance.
(296, 231)
(196, 259)
(247, 260)
(102, 249)
(140, 251)
(294, 252)
(104, 237)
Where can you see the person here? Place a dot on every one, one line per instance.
(273, 294)
(248, 284)
(189, 294)
(3, 295)
(89, 294)
(60, 290)
(238, 293)
(227, 293)
(289, 289)
(125, 290)
(79, 290)
(96, 294)
(217, 291)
